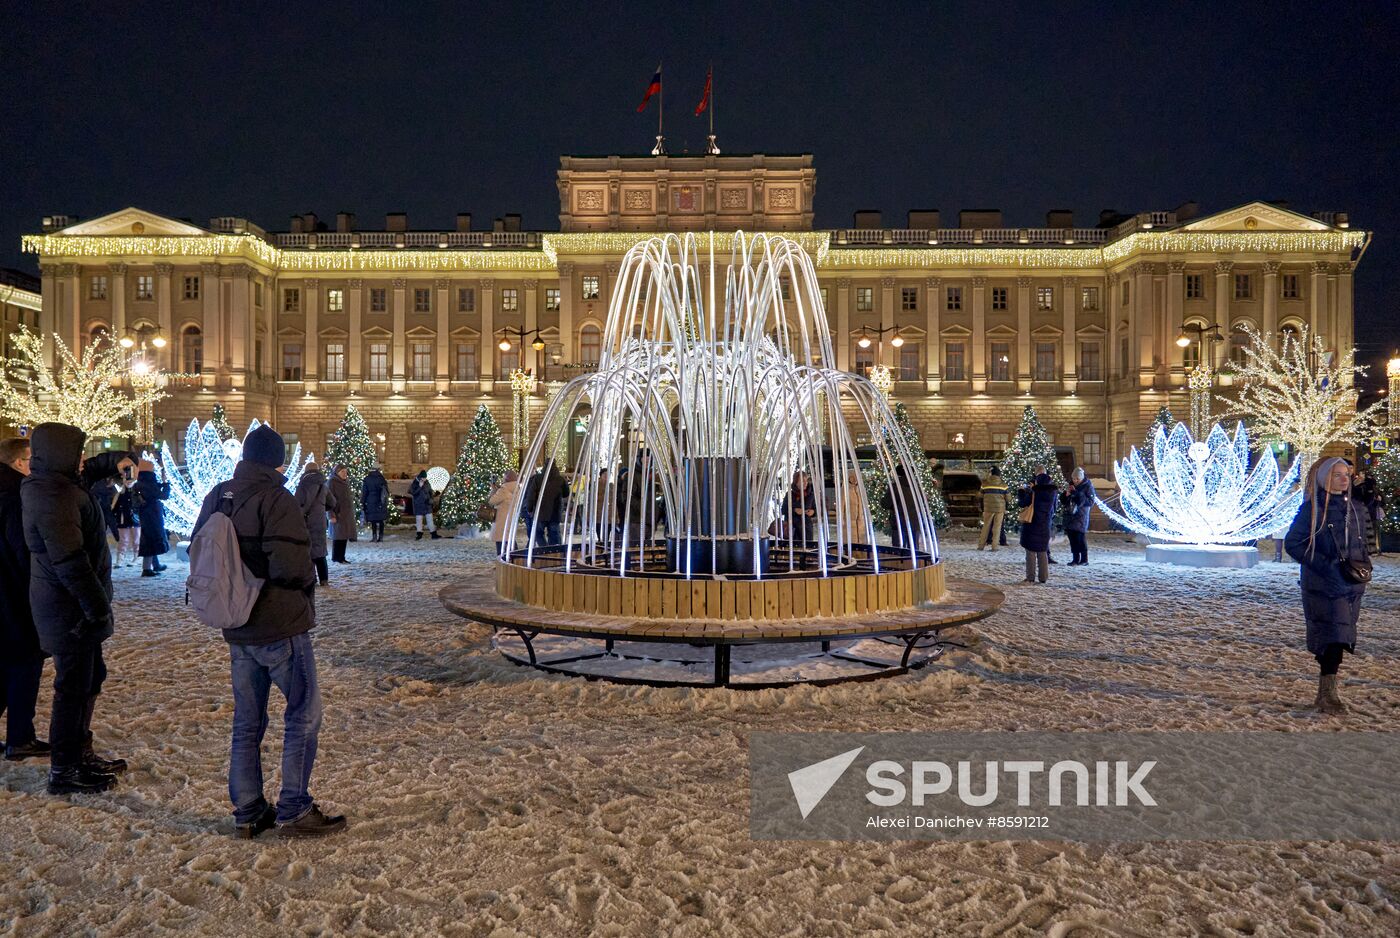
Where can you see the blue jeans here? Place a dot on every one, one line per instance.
(291, 665)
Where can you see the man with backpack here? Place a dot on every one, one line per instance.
(262, 597)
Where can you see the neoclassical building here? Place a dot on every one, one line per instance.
(419, 327)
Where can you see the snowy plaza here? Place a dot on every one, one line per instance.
(491, 799)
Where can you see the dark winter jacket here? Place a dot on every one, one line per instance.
(314, 497)
(1035, 534)
(18, 640)
(374, 497)
(70, 583)
(796, 504)
(1365, 492)
(149, 492)
(1081, 502)
(272, 540)
(1331, 605)
(421, 495)
(548, 489)
(344, 527)
(105, 492)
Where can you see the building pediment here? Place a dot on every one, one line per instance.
(134, 221)
(1256, 216)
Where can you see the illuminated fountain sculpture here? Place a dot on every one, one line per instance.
(715, 386)
(1203, 499)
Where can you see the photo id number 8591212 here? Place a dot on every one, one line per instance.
(1031, 822)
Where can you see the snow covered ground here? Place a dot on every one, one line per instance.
(488, 799)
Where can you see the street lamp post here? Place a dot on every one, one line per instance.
(522, 386)
(145, 373)
(1392, 374)
(880, 375)
(1201, 380)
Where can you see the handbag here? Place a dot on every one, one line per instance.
(1025, 515)
(1353, 571)
(486, 514)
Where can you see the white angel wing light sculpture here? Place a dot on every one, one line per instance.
(1203, 492)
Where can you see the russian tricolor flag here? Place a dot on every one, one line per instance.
(652, 89)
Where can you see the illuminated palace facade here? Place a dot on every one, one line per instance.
(407, 324)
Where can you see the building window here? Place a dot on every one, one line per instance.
(1044, 297)
(1001, 298)
(1291, 287)
(864, 359)
(1000, 440)
(510, 300)
(291, 361)
(1090, 365)
(954, 300)
(422, 300)
(191, 350)
(379, 361)
(291, 300)
(1243, 287)
(258, 357)
(865, 299)
(99, 337)
(909, 364)
(1089, 298)
(422, 361)
(466, 362)
(590, 287)
(422, 448)
(1093, 449)
(824, 307)
(590, 345)
(378, 300)
(954, 368)
(97, 288)
(1124, 366)
(1045, 361)
(257, 294)
(145, 287)
(290, 441)
(1001, 361)
(786, 290)
(191, 288)
(1120, 447)
(1195, 287)
(1239, 341)
(335, 301)
(909, 299)
(466, 300)
(335, 362)
(551, 299)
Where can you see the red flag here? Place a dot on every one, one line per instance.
(652, 89)
(705, 98)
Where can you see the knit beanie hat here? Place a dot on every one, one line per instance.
(264, 446)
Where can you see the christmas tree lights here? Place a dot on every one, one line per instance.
(1203, 492)
(876, 482)
(221, 424)
(1028, 449)
(351, 447)
(209, 460)
(481, 464)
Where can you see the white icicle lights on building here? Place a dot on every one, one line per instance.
(208, 461)
(1204, 492)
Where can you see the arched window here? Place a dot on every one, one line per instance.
(100, 337)
(191, 350)
(1239, 342)
(590, 345)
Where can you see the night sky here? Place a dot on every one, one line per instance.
(268, 109)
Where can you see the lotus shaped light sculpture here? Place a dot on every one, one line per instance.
(208, 461)
(1204, 492)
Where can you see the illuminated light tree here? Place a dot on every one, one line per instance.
(351, 447)
(209, 460)
(221, 424)
(1300, 394)
(877, 483)
(1387, 475)
(82, 391)
(1203, 492)
(481, 464)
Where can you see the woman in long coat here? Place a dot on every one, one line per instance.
(314, 496)
(1328, 529)
(343, 520)
(147, 495)
(1081, 502)
(374, 500)
(501, 500)
(1042, 498)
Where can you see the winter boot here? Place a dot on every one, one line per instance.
(35, 748)
(1328, 700)
(312, 824)
(437, 536)
(263, 822)
(79, 780)
(418, 536)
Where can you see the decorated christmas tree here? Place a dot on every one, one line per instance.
(877, 483)
(1166, 421)
(481, 464)
(352, 448)
(221, 424)
(1028, 449)
(1387, 475)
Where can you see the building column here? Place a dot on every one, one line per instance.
(441, 361)
(396, 366)
(164, 314)
(118, 295)
(843, 323)
(354, 366)
(1176, 311)
(1317, 308)
(566, 312)
(1345, 321)
(1023, 334)
(1069, 344)
(241, 326)
(887, 320)
(933, 347)
(1144, 320)
(1219, 351)
(1332, 327)
(1270, 288)
(216, 358)
(528, 356)
(311, 316)
(487, 367)
(1113, 314)
(48, 306)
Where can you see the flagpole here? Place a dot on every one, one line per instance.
(660, 103)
